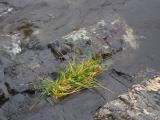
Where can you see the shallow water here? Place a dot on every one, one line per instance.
(130, 30)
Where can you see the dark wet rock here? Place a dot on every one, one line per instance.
(11, 70)
(4, 94)
(29, 91)
(16, 105)
(104, 56)
(29, 66)
(4, 59)
(2, 116)
(7, 90)
(1, 62)
(10, 90)
(119, 73)
(114, 39)
(55, 50)
(140, 103)
(21, 4)
(32, 63)
(3, 98)
(124, 78)
(32, 44)
(88, 42)
(89, 25)
(27, 88)
(17, 108)
(66, 48)
(1, 75)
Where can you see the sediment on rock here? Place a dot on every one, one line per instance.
(142, 102)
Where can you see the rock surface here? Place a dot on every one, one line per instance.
(142, 102)
(33, 33)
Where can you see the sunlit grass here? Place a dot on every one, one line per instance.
(76, 76)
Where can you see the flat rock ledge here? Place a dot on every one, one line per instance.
(142, 102)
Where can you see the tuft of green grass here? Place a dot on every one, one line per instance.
(77, 76)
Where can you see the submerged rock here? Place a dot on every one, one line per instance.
(142, 102)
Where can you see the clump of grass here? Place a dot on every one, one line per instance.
(77, 76)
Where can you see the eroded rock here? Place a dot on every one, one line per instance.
(142, 102)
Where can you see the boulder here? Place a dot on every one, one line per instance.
(142, 102)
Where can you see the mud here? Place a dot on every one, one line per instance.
(34, 33)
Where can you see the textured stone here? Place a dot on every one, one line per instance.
(142, 102)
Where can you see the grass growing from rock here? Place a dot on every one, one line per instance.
(77, 76)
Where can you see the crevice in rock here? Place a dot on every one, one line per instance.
(58, 54)
(118, 75)
(10, 90)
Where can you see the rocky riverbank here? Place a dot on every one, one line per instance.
(34, 33)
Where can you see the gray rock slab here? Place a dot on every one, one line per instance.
(142, 102)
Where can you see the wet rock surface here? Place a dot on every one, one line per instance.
(38, 39)
(142, 102)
